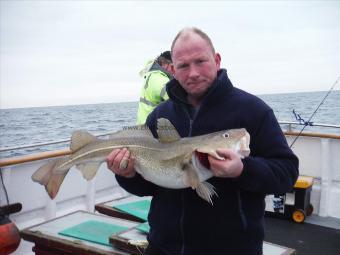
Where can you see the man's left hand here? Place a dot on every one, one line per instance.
(231, 166)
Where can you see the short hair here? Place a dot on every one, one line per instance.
(166, 55)
(164, 58)
(194, 30)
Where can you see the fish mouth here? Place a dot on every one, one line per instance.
(202, 158)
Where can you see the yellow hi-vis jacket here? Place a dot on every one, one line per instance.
(153, 92)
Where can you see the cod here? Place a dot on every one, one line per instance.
(169, 161)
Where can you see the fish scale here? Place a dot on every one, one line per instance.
(169, 161)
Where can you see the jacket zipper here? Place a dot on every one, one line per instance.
(191, 121)
(190, 127)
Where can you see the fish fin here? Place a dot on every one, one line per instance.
(190, 176)
(44, 172)
(54, 184)
(167, 133)
(88, 170)
(140, 130)
(124, 163)
(48, 177)
(206, 190)
(80, 138)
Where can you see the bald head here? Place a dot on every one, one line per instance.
(187, 33)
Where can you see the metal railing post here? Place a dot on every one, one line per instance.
(326, 178)
(90, 195)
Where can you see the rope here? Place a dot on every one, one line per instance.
(308, 122)
(4, 187)
(301, 120)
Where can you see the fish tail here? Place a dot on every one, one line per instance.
(47, 175)
(54, 184)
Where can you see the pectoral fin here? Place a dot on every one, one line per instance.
(190, 176)
(204, 189)
(124, 164)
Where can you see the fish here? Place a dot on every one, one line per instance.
(169, 161)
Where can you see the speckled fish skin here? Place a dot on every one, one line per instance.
(169, 161)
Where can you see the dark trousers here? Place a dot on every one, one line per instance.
(151, 250)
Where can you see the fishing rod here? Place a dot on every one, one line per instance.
(308, 122)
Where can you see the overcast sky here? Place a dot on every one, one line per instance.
(78, 52)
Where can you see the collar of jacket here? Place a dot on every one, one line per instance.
(157, 67)
(221, 86)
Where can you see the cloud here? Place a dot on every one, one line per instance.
(73, 52)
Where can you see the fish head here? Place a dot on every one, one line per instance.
(234, 139)
(196, 165)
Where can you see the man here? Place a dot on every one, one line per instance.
(153, 91)
(203, 100)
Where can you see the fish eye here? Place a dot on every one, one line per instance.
(225, 135)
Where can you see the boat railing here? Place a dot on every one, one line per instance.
(291, 124)
(61, 152)
(37, 156)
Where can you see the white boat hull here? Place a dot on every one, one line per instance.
(319, 157)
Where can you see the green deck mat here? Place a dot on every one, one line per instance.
(144, 227)
(93, 231)
(139, 208)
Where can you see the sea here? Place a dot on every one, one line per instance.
(25, 126)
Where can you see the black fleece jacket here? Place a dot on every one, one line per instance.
(183, 223)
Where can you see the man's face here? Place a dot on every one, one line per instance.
(195, 65)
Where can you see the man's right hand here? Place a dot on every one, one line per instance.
(120, 162)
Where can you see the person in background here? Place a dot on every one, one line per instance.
(203, 100)
(156, 74)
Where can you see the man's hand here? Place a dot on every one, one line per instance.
(231, 166)
(121, 163)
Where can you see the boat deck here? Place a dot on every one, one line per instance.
(316, 236)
